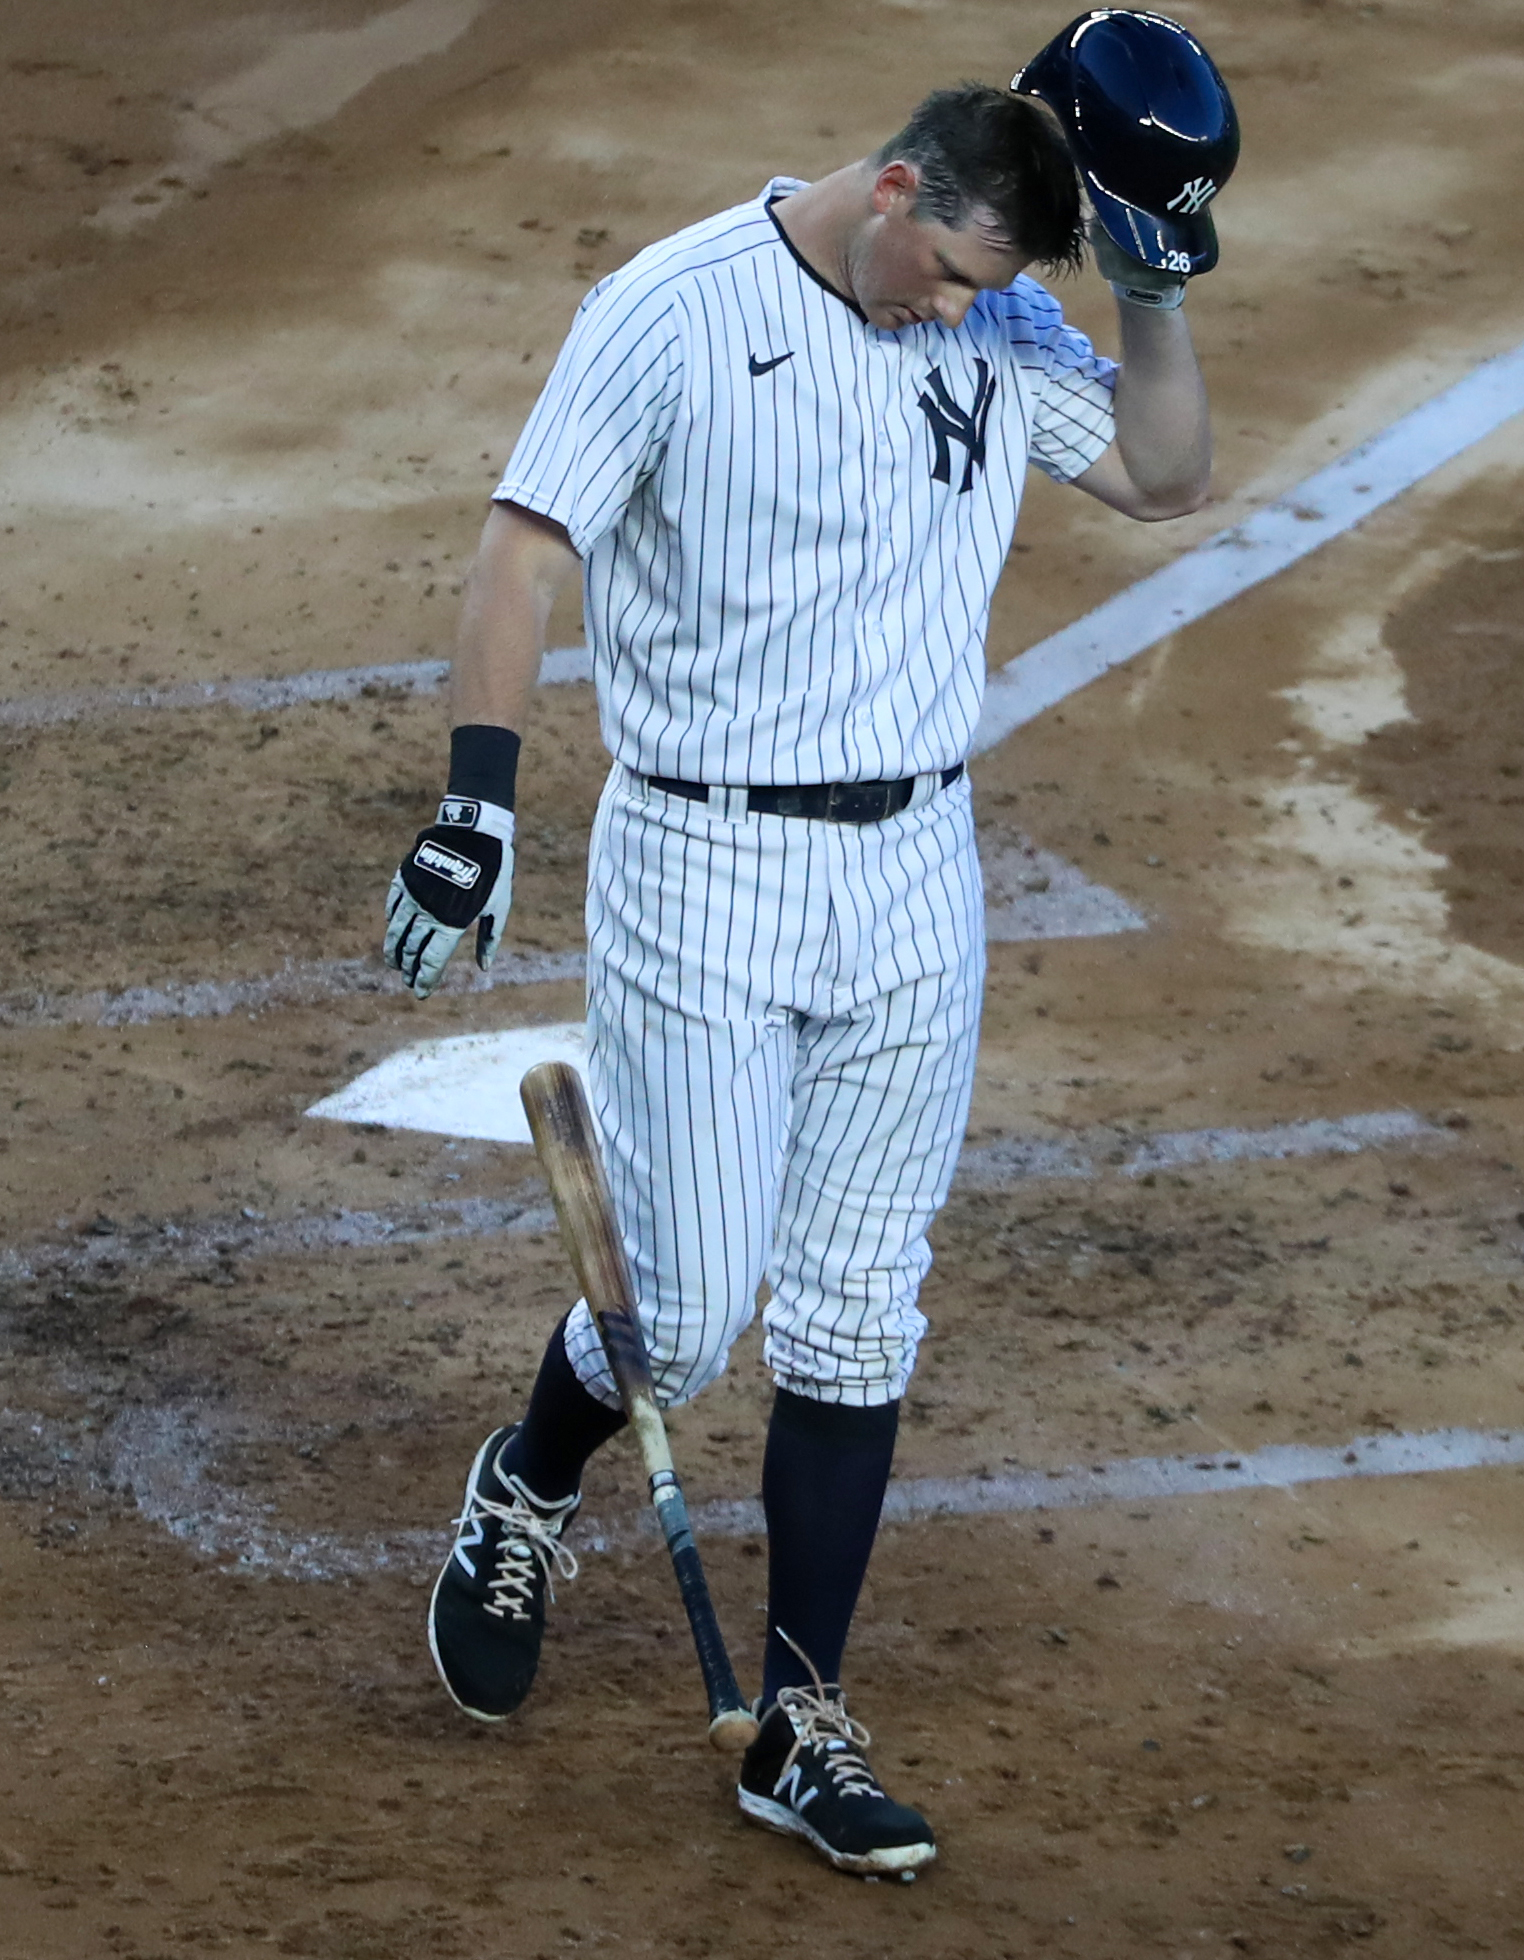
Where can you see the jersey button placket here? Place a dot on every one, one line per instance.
(883, 458)
(855, 718)
(878, 470)
(878, 467)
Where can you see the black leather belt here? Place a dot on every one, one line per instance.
(830, 802)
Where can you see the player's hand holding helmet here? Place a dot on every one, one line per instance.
(1154, 135)
(1130, 279)
(459, 873)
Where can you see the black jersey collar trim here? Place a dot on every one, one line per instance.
(803, 263)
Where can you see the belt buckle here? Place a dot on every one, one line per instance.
(859, 802)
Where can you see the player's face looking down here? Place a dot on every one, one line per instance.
(903, 269)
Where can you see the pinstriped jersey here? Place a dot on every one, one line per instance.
(791, 522)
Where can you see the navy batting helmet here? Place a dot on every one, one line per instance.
(1151, 126)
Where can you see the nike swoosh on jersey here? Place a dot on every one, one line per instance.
(766, 367)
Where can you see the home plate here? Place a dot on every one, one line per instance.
(466, 1086)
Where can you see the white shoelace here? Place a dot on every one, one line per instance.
(820, 1721)
(529, 1541)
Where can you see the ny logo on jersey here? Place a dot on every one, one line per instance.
(951, 423)
(1190, 197)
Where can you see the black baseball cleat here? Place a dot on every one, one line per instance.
(806, 1775)
(487, 1615)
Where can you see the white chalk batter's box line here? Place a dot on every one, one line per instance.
(301, 983)
(1324, 506)
(559, 666)
(161, 1456)
(108, 1248)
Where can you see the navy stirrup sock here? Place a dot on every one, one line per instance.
(563, 1427)
(823, 1479)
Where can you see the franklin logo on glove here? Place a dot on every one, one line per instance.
(460, 871)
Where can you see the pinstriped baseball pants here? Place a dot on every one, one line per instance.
(783, 1016)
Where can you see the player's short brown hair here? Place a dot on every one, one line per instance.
(979, 149)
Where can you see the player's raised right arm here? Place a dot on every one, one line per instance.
(459, 872)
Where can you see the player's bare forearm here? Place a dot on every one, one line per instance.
(1164, 433)
(521, 564)
(1161, 462)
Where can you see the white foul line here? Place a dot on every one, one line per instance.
(1234, 560)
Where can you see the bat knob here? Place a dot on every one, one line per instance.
(733, 1730)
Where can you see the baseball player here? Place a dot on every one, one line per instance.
(786, 449)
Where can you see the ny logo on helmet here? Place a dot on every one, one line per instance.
(1190, 197)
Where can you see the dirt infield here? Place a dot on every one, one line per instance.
(279, 287)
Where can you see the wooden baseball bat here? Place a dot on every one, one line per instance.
(562, 1126)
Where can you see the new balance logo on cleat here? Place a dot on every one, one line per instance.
(471, 1538)
(487, 1613)
(795, 1791)
(806, 1776)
